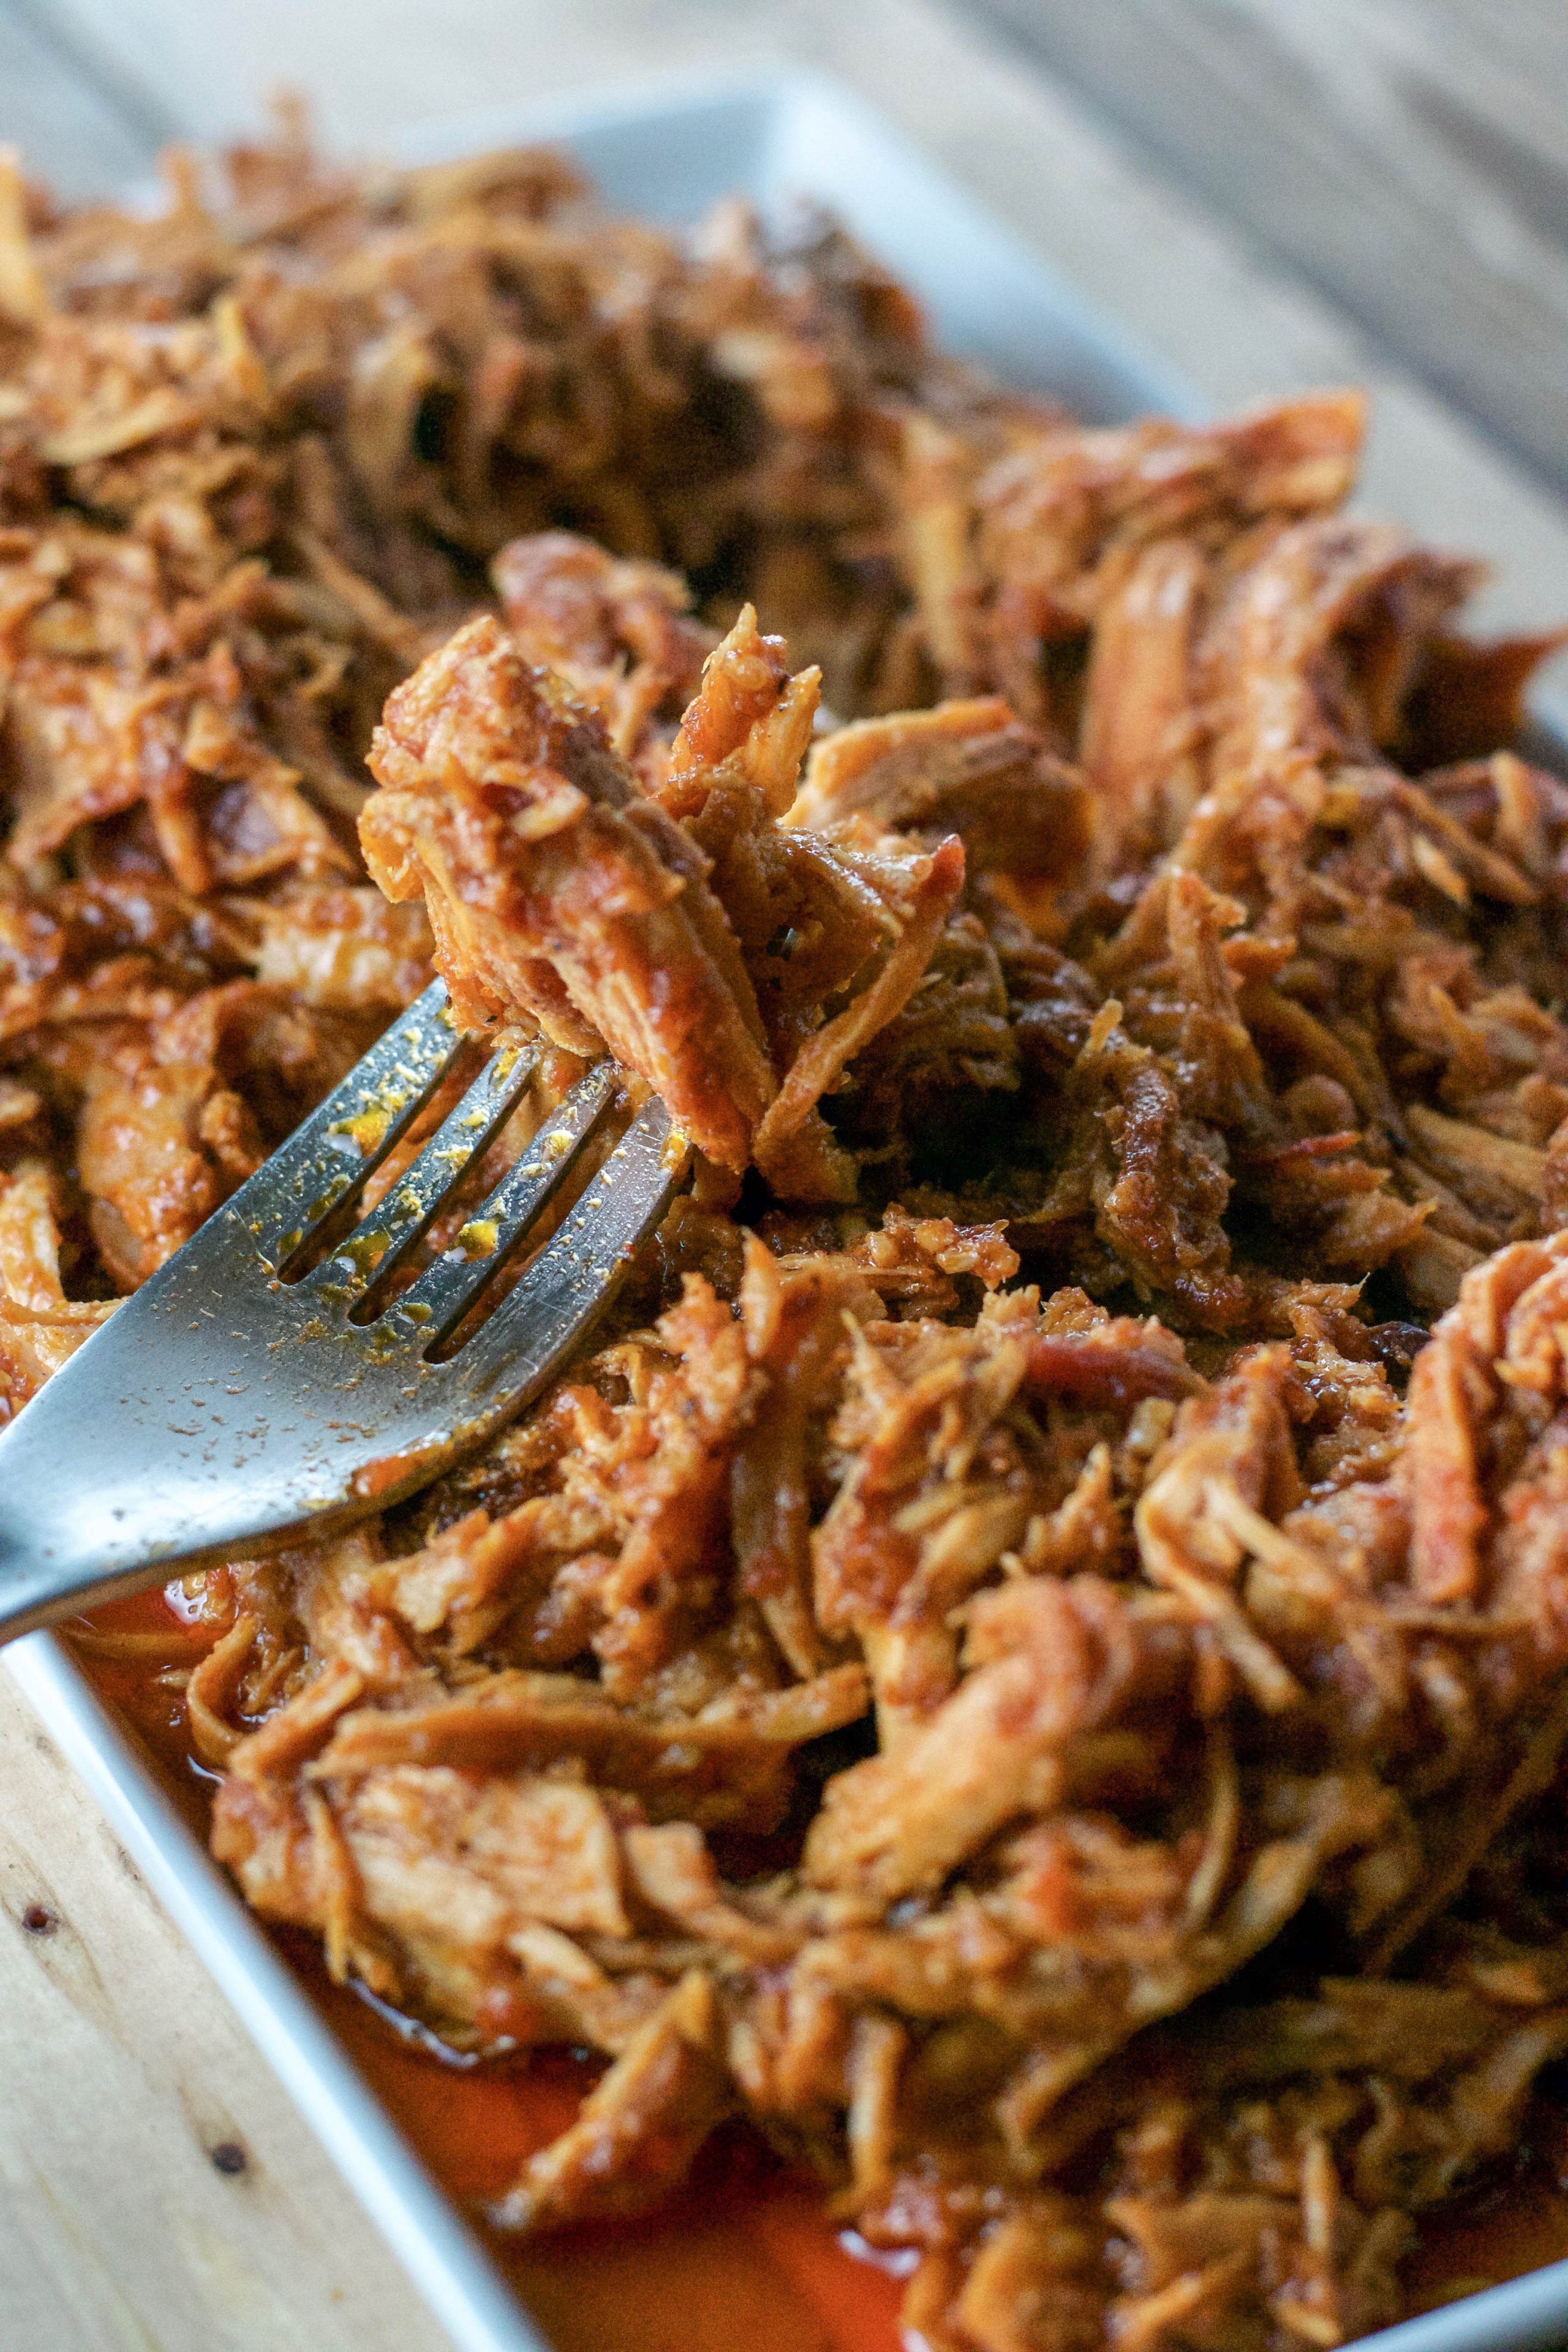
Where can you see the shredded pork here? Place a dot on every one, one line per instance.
(1030, 1659)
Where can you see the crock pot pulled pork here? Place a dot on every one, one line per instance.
(1029, 1659)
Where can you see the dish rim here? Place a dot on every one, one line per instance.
(770, 107)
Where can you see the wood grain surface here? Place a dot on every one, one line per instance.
(1409, 160)
(1272, 193)
(158, 2192)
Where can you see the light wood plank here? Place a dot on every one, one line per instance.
(120, 2070)
(1410, 161)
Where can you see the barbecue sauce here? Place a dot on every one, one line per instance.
(746, 2255)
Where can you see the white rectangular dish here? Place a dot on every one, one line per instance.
(668, 154)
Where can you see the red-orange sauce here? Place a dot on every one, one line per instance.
(747, 2257)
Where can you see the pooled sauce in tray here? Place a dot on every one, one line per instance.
(747, 2255)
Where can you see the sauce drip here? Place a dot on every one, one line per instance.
(747, 2257)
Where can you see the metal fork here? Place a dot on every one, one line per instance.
(228, 1408)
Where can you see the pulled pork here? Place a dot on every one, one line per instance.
(1029, 1659)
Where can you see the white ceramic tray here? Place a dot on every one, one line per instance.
(668, 152)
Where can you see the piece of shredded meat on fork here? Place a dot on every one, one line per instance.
(558, 887)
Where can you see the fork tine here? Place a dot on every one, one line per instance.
(224, 1414)
(443, 1294)
(325, 1162)
(370, 1250)
(531, 1332)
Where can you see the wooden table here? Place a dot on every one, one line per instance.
(1275, 193)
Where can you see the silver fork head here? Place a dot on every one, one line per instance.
(227, 1407)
